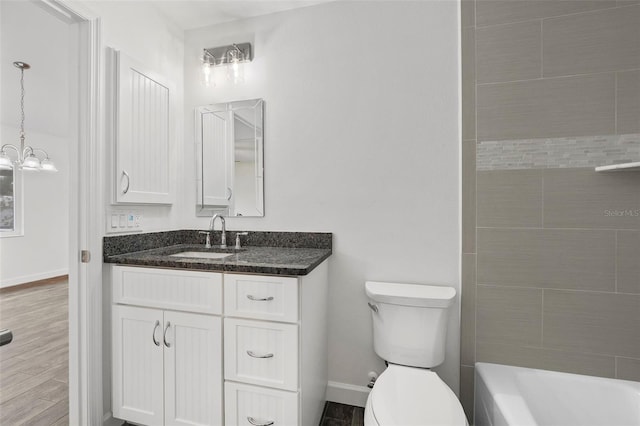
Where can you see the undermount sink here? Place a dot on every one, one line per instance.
(202, 254)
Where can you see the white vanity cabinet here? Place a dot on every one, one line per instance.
(173, 330)
(166, 364)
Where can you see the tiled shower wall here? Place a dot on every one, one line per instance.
(551, 249)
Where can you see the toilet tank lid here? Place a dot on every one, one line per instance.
(428, 296)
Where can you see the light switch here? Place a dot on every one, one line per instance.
(114, 220)
(130, 220)
(122, 221)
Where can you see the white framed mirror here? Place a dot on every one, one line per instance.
(230, 159)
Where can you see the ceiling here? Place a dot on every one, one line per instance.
(190, 14)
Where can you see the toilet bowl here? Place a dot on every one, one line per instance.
(409, 332)
(409, 396)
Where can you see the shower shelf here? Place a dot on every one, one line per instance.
(624, 167)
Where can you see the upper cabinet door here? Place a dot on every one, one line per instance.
(142, 119)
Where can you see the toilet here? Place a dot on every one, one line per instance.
(409, 332)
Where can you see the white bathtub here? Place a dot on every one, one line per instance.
(506, 395)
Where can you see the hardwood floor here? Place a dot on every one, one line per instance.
(34, 371)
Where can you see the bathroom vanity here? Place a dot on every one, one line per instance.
(236, 340)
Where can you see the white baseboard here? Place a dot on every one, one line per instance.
(34, 277)
(345, 393)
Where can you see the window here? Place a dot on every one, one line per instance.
(10, 203)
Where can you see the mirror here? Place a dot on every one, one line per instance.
(229, 155)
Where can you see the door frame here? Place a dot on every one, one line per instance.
(85, 214)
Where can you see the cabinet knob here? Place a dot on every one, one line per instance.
(255, 422)
(254, 355)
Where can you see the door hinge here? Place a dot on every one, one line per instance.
(85, 256)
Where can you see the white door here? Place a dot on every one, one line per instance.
(143, 164)
(137, 365)
(192, 369)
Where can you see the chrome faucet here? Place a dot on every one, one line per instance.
(223, 240)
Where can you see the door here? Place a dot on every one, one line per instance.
(192, 369)
(137, 365)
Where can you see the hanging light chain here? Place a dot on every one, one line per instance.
(22, 108)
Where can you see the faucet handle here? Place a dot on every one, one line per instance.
(208, 242)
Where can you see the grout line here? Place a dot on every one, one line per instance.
(557, 16)
(542, 200)
(615, 102)
(542, 321)
(535, 228)
(556, 77)
(615, 263)
(542, 48)
(571, 290)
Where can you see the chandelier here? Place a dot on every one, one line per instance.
(26, 156)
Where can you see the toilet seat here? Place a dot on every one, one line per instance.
(409, 396)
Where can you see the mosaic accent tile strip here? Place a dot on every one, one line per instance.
(558, 153)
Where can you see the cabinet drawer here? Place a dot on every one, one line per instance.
(268, 298)
(250, 405)
(191, 291)
(261, 353)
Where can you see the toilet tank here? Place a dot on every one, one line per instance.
(409, 322)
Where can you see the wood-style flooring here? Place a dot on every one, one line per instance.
(34, 371)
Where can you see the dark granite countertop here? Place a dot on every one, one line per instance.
(274, 253)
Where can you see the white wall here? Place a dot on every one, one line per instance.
(137, 29)
(31, 35)
(362, 140)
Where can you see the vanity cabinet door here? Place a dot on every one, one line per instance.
(137, 365)
(192, 369)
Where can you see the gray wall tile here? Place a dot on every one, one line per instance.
(557, 107)
(469, 197)
(468, 13)
(467, 379)
(547, 258)
(628, 262)
(600, 41)
(468, 84)
(583, 198)
(509, 315)
(628, 102)
(491, 12)
(589, 322)
(547, 359)
(509, 52)
(628, 369)
(509, 198)
(468, 311)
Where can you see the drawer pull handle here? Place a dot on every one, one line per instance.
(255, 422)
(254, 355)
(164, 336)
(153, 335)
(259, 299)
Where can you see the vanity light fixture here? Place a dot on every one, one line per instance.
(26, 155)
(233, 57)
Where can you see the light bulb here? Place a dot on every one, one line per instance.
(206, 74)
(5, 161)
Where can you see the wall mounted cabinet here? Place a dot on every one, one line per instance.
(140, 128)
